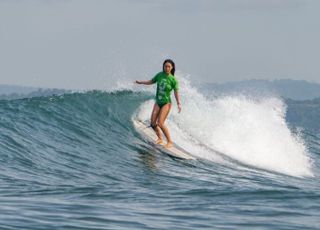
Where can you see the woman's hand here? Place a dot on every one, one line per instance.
(137, 82)
(179, 108)
(176, 94)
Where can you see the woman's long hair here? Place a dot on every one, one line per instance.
(172, 63)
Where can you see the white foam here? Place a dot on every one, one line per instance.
(251, 131)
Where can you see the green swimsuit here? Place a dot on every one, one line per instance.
(165, 84)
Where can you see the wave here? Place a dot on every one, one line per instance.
(65, 129)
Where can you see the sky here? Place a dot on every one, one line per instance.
(96, 44)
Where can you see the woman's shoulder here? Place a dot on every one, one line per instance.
(159, 74)
(172, 77)
(156, 77)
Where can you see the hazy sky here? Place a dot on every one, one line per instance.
(93, 44)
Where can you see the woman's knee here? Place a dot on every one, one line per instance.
(161, 124)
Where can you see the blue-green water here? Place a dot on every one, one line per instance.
(75, 161)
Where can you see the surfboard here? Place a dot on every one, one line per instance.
(149, 135)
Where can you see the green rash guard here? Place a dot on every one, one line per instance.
(165, 84)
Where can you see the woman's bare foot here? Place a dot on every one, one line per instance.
(159, 142)
(168, 145)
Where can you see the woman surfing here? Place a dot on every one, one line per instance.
(166, 82)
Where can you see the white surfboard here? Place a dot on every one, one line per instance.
(147, 132)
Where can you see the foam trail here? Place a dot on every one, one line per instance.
(251, 131)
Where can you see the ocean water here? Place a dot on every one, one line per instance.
(75, 161)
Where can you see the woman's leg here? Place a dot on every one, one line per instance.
(164, 111)
(154, 125)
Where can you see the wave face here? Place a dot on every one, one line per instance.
(74, 161)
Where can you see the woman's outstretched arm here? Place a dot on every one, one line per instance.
(176, 94)
(148, 82)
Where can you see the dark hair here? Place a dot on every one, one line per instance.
(172, 63)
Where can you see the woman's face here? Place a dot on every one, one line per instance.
(167, 67)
